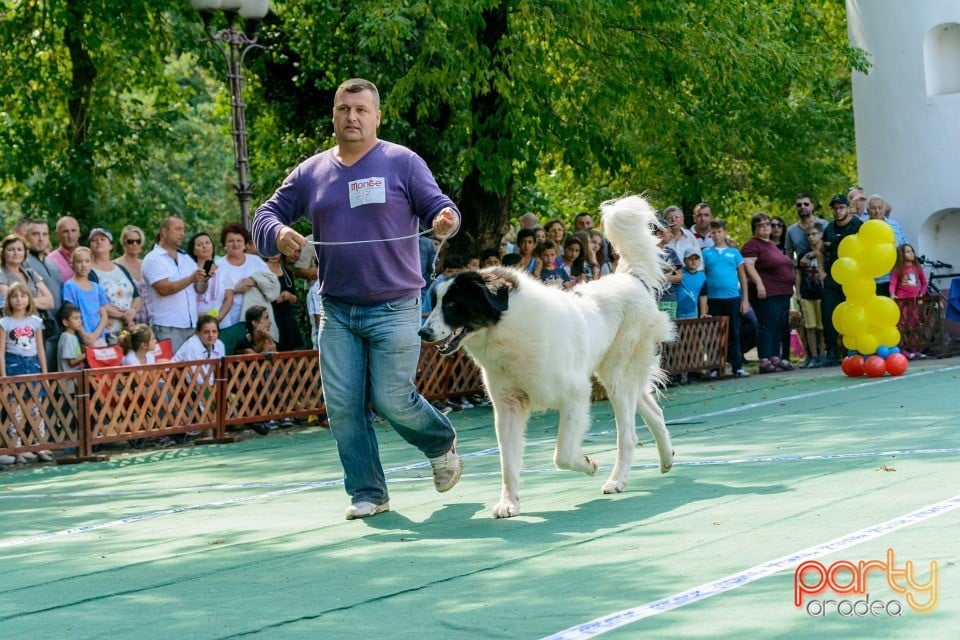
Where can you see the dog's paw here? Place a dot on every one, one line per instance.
(612, 486)
(666, 465)
(505, 509)
(592, 465)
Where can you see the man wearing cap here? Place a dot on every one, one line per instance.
(68, 233)
(797, 242)
(844, 224)
(176, 280)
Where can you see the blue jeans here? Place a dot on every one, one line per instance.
(370, 354)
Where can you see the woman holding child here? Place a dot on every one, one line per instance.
(771, 277)
(116, 281)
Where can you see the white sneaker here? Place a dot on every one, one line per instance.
(741, 373)
(366, 509)
(5, 459)
(447, 469)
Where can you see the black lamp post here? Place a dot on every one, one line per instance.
(235, 41)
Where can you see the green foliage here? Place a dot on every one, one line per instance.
(555, 106)
(104, 121)
(117, 114)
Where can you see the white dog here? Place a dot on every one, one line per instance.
(538, 347)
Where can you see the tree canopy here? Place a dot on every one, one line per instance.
(111, 109)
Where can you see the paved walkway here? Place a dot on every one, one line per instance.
(249, 540)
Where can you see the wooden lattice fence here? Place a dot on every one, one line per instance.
(701, 345)
(80, 410)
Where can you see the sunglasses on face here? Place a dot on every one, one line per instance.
(803, 204)
(776, 224)
(133, 241)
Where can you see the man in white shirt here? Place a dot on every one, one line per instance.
(702, 217)
(680, 238)
(176, 280)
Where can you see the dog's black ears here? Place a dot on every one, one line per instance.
(498, 298)
(495, 290)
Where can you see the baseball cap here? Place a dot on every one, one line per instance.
(100, 230)
(690, 252)
(667, 223)
(839, 199)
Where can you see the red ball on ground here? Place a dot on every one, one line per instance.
(875, 366)
(852, 366)
(897, 364)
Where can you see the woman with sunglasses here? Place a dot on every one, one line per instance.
(778, 232)
(131, 245)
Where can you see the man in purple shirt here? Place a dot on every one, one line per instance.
(366, 200)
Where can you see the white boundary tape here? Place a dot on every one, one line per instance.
(612, 621)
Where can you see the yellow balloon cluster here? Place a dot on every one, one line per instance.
(866, 321)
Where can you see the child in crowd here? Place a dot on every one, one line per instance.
(257, 337)
(908, 281)
(511, 260)
(599, 246)
(22, 353)
(490, 257)
(204, 344)
(671, 265)
(726, 291)
(809, 291)
(70, 354)
(138, 343)
(473, 263)
(572, 260)
(526, 247)
(89, 297)
(690, 288)
(548, 272)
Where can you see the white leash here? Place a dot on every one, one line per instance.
(436, 257)
(338, 244)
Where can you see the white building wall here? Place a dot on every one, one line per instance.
(907, 116)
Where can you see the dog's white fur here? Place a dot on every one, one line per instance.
(546, 345)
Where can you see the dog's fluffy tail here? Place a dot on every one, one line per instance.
(629, 225)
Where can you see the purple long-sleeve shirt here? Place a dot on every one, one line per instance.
(386, 194)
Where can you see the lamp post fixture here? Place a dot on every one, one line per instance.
(235, 42)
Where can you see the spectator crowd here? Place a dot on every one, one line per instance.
(775, 287)
(56, 300)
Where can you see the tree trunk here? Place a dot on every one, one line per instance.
(78, 186)
(485, 209)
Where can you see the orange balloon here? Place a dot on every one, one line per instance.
(852, 366)
(875, 366)
(897, 364)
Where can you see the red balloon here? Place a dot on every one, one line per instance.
(875, 366)
(897, 364)
(852, 366)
